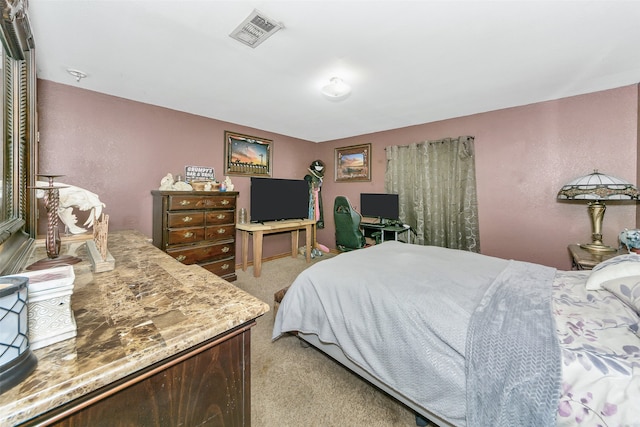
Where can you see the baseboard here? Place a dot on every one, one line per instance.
(278, 256)
(271, 258)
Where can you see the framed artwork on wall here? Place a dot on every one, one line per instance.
(353, 163)
(247, 155)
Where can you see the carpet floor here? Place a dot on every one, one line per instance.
(296, 386)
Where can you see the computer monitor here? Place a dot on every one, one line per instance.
(380, 205)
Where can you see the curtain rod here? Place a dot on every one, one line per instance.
(443, 140)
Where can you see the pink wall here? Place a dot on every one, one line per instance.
(121, 149)
(523, 156)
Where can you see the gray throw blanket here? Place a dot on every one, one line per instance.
(513, 366)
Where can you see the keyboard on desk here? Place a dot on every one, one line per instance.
(372, 225)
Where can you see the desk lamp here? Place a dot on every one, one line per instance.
(596, 188)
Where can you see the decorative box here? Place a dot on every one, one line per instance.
(49, 307)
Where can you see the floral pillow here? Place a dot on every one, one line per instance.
(626, 289)
(612, 269)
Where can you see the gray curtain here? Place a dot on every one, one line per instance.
(436, 184)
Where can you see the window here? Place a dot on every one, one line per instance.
(18, 154)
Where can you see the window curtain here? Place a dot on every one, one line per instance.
(436, 186)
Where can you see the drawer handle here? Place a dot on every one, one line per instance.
(181, 258)
(222, 230)
(224, 266)
(226, 249)
(224, 202)
(187, 219)
(221, 216)
(188, 234)
(184, 202)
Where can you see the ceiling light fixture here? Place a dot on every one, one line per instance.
(79, 75)
(336, 90)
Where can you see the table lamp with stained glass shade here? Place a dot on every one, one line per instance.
(596, 188)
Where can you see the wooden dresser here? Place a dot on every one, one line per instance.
(158, 343)
(197, 227)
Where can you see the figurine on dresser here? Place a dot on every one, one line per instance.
(630, 239)
(167, 183)
(74, 197)
(228, 184)
(101, 259)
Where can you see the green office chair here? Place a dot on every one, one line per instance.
(348, 233)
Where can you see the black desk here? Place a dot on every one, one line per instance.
(389, 230)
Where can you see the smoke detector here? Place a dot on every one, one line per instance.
(255, 29)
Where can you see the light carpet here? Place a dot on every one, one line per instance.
(296, 386)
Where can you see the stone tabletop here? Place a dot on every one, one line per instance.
(148, 308)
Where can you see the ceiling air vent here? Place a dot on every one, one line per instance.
(255, 29)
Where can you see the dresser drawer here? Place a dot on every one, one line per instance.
(212, 202)
(203, 252)
(222, 267)
(220, 232)
(220, 217)
(179, 236)
(180, 202)
(185, 219)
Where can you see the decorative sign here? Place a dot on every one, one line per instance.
(198, 173)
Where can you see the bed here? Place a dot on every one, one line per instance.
(466, 339)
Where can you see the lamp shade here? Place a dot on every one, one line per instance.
(598, 186)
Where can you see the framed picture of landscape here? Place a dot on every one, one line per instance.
(353, 163)
(247, 155)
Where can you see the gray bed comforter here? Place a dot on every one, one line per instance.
(402, 312)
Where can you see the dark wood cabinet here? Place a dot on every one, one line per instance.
(208, 385)
(197, 227)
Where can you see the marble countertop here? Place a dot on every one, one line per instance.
(148, 308)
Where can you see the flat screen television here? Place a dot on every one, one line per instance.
(274, 199)
(380, 205)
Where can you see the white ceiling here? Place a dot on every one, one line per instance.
(409, 62)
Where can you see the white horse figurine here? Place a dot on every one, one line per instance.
(74, 197)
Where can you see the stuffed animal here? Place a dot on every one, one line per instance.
(630, 238)
(228, 184)
(166, 183)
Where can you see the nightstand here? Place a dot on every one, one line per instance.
(582, 259)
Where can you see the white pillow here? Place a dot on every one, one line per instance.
(614, 268)
(627, 289)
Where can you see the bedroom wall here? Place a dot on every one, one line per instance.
(638, 138)
(523, 156)
(121, 149)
